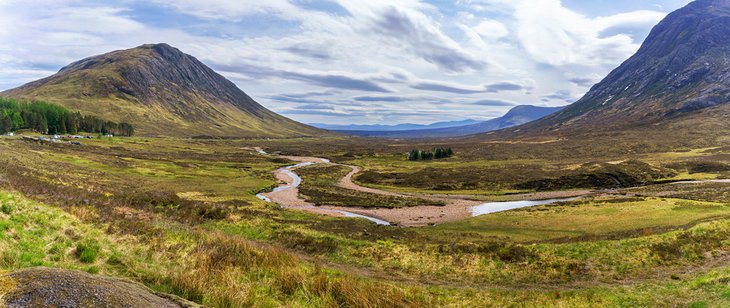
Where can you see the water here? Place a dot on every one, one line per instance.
(296, 180)
(262, 197)
(373, 219)
(495, 207)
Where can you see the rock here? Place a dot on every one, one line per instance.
(48, 287)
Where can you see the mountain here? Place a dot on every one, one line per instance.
(680, 77)
(397, 127)
(516, 116)
(161, 91)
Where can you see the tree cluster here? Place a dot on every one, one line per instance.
(437, 153)
(52, 119)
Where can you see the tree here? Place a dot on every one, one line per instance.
(436, 153)
(413, 155)
(48, 118)
(6, 124)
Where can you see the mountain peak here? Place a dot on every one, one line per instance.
(166, 51)
(160, 90)
(683, 67)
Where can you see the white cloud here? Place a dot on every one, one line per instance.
(641, 18)
(491, 29)
(377, 46)
(233, 9)
(555, 35)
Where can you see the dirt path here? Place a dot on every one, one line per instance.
(346, 182)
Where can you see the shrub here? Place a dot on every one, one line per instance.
(87, 251)
(6, 209)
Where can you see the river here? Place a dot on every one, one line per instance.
(286, 195)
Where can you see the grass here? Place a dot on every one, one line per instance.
(319, 186)
(161, 211)
(219, 270)
(591, 218)
(210, 268)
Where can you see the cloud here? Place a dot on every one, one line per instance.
(289, 99)
(494, 103)
(503, 86)
(307, 52)
(233, 9)
(583, 82)
(316, 107)
(326, 80)
(442, 87)
(422, 38)
(310, 94)
(362, 58)
(381, 99)
(457, 89)
(491, 29)
(321, 113)
(563, 95)
(336, 81)
(555, 35)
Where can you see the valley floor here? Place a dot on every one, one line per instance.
(182, 217)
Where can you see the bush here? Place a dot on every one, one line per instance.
(88, 251)
(6, 209)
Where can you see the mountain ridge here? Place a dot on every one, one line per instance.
(516, 116)
(396, 127)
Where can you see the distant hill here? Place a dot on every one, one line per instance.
(161, 91)
(397, 127)
(679, 80)
(516, 116)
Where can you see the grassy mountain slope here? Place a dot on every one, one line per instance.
(161, 91)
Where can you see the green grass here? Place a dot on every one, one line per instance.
(319, 186)
(591, 218)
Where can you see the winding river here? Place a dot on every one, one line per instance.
(292, 181)
(456, 208)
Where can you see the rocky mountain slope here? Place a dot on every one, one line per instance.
(516, 116)
(679, 77)
(161, 91)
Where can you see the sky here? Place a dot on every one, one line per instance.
(352, 61)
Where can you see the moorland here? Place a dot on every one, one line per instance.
(182, 216)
